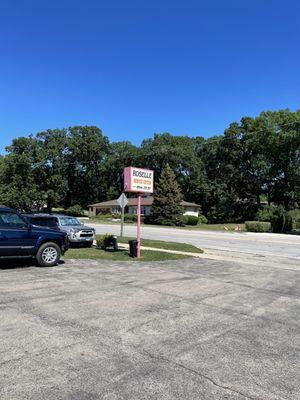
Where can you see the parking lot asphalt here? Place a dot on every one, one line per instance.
(192, 329)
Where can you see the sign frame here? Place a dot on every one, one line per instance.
(129, 185)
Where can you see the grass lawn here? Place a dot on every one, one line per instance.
(216, 227)
(158, 244)
(121, 255)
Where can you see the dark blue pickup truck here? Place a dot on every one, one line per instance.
(20, 239)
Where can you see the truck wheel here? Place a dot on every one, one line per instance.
(48, 254)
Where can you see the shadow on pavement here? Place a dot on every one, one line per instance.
(22, 263)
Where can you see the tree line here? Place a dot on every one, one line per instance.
(255, 161)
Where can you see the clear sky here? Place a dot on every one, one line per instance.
(138, 67)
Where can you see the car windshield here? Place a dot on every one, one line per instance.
(69, 221)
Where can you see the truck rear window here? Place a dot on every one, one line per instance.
(51, 223)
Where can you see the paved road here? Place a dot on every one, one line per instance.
(262, 244)
(193, 330)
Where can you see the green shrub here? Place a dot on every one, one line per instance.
(266, 214)
(190, 220)
(193, 220)
(108, 216)
(106, 241)
(75, 211)
(295, 215)
(185, 219)
(104, 216)
(280, 219)
(147, 219)
(130, 217)
(258, 226)
(202, 219)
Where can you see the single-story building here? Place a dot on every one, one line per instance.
(112, 207)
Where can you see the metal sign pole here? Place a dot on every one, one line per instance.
(122, 202)
(139, 225)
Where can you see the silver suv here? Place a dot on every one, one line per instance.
(77, 232)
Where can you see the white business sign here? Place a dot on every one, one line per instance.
(138, 180)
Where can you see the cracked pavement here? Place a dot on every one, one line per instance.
(189, 329)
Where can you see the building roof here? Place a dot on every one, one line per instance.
(189, 204)
(146, 201)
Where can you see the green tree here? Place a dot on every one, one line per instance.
(121, 155)
(180, 153)
(166, 208)
(228, 175)
(51, 175)
(254, 158)
(281, 145)
(18, 184)
(86, 151)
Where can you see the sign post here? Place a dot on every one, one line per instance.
(138, 180)
(122, 201)
(139, 225)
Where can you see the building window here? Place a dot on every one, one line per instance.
(133, 210)
(144, 210)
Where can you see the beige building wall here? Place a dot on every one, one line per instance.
(191, 211)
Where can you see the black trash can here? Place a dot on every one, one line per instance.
(115, 243)
(133, 248)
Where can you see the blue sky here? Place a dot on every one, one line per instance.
(138, 67)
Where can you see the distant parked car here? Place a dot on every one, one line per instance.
(20, 239)
(76, 231)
